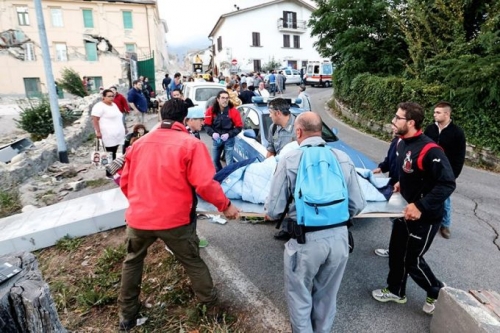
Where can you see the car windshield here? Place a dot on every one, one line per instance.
(203, 94)
(326, 133)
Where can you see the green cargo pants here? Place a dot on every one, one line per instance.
(183, 242)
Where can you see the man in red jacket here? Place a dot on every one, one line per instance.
(157, 209)
(223, 123)
(122, 104)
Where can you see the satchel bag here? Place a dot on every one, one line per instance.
(99, 157)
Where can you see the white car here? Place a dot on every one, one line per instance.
(200, 92)
(292, 76)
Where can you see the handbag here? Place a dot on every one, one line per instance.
(99, 157)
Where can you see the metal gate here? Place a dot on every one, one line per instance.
(146, 68)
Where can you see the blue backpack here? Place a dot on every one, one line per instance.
(321, 197)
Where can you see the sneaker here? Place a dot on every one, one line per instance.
(384, 295)
(382, 252)
(445, 232)
(430, 305)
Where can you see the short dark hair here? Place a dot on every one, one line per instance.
(413, 111)
(177, 75)
(166, 75)
(244, 85)
(105, 91)
(302, 87)
(177, 89)
(443, 104)
(135, 82)
(174, 109)
(281, 105)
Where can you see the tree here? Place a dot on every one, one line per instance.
(271, 65)
(72, 83)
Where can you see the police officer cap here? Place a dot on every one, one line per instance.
(195, 112)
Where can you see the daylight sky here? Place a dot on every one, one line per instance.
(190, 21)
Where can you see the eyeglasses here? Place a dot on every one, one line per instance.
(399, 118)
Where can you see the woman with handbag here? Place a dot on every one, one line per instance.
(107, 122)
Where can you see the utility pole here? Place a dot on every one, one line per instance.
(51, 86)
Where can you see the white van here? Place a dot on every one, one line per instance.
(200, 92)
(319, 73)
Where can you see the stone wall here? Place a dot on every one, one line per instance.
(474, 154)
(44, 152)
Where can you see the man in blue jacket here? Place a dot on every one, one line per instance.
(137, 101)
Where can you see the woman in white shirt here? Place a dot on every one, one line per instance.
(108, 124)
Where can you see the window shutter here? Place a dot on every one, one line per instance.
(286, 40)
(285, 18)
(127, 20)
(88, 20)
(294, 20)
(91, 51)
(296, 42)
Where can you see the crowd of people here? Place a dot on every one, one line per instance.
(421, 165)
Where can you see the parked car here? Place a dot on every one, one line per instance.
(252, 141)
(292, 76)
(200, 92)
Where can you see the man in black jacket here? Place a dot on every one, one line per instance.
(425, 181)
(452, 139)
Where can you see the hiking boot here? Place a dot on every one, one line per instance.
(282, 235)
(430, 305)
(382, 252)
(384, 295)
(127, 325)
(445, 232)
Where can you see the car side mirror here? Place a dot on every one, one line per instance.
(335, 130)
(249, 133)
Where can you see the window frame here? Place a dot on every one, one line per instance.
(296, 41)
(29, 52)
(23, 18)
(55, 21)
(57, 58)
(259, 65)
(219, 43)
(91, 12)
(126, 24)
(256, 39)
(130, 44)
(87, 54)
(286, 40)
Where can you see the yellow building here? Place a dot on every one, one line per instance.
(95, 38)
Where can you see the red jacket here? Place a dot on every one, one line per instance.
(122, 103)
(161, 170)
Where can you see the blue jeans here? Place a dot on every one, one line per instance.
(446, 222)
(217, 148)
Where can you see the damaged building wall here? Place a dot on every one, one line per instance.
(97, 50)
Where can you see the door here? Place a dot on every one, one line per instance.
(146, 68)
(32, 87)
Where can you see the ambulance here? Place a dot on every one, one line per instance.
(319, 73)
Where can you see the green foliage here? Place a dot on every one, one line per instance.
(272, 64)
(36, 117)
(72, 83)
(68, 243)
(10, 203)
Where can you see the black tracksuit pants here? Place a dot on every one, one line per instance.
(410, 240)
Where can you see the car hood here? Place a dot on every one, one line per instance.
(360, 160)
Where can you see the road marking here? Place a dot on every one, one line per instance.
(261, 306)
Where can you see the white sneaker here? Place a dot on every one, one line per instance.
(384, 295)
(382, 252)
(430, 305)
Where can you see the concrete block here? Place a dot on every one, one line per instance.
(459, 311)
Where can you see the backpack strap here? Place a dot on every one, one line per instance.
(423, 152)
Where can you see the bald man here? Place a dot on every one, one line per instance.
(319, 264)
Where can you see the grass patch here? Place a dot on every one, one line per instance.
(93, 183)
(10, 202)
(84, 280)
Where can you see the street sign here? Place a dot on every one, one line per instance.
(234, 62)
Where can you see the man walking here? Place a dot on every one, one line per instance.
(166, 85)
(452, 139)
(146, 180)
(305, 103)
(176, 83)
(313, 270)
(223, 123)
(425, 181)
(137, 101)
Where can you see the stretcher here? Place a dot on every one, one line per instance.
(380, 209)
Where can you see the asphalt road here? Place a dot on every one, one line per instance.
(247, 262)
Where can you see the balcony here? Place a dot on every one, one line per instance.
(298, 27)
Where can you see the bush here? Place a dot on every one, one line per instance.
(10, 203)
(72, 83)
(36, 118)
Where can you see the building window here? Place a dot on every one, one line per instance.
(22, 15)
(213, 49)
(256, 66)
(219, 43)
(304, 63)
(296, 42)
(88, 18)
(289, 20)
(56, 17)
(29, 52)
(129, 47)
(61, 52)
(255, 38)
(127, 20)
(286, 40)
(91, 51)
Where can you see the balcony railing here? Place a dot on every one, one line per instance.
(295, 26)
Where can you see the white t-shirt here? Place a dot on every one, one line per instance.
(111, 124)
(263, 92)
(249, 81)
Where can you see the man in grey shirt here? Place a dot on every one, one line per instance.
(281, 131)
(313, 270)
